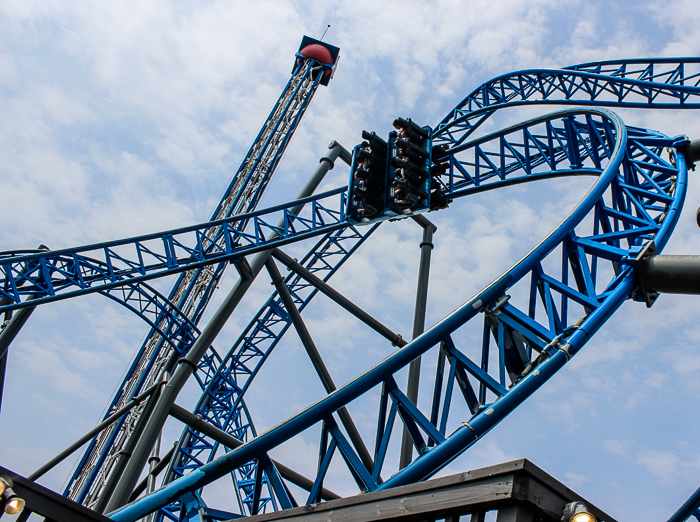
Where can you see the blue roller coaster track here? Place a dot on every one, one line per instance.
(533, 318)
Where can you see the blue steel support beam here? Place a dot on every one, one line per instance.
(559, 340)
(70, 272)
(180, 375)
(673, 84)
(618, 70)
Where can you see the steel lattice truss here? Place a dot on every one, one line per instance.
(533, 318)
(72, 272)
(669, 83)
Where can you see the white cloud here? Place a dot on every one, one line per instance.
(662, 464)
(615, 447)
(575, 480)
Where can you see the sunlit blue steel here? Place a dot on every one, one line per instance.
(691, 507)
(635, 212)
(70, 272)
(671, 87)
(661, 83)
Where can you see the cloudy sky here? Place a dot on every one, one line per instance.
(128, 117)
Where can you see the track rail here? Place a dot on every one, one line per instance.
(670, 83)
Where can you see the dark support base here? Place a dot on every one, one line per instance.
(667, 274)
(49, 504)
(518, 491)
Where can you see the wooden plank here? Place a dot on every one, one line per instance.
(496, 487)
(515, 513)
(550, 496)
(485, 493)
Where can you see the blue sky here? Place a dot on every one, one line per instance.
(126, 118)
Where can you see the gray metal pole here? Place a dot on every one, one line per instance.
(141, 486)
(9, 329)
(183, 371)
(426, 247)
(3, 367)
(122, 459)
(336, 296)
(7, 335)
(317, 361)
(219, 435)
(153, 461)
(671, 274)
(94, 431)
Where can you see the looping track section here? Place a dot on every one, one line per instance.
(535, 317)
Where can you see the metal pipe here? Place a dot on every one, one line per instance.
(336, 296)
(8, 334)
(90, 434)
(3, 367)
(124, 455)
(141, 487)
(219, 435)
(10, 328)
(317, 361)
(153, 461)
(693, 150)
(671, 274)
(183, 372)
(426, 247)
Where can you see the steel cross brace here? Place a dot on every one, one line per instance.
(658, 84)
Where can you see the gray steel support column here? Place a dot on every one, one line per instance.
(671, 274)
(317, 361)
(3, 367)
(124, 456)
(141, 487)
(183, 371)
(10, 327)
(7, 335)
(153, 462)
(219, 435)
(336, 296)
(426, 247)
